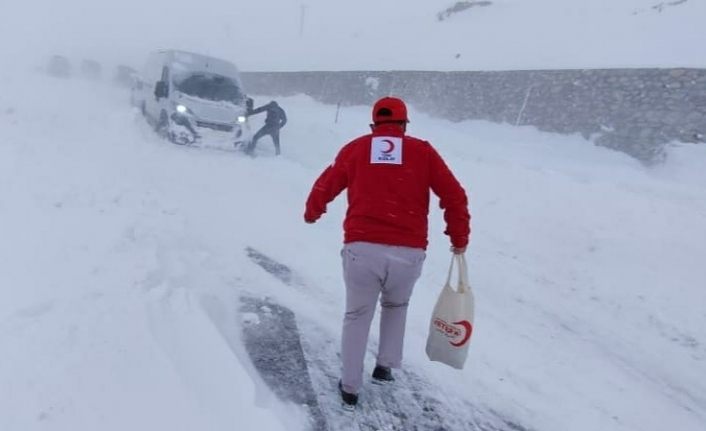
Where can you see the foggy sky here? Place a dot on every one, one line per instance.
(329, 35)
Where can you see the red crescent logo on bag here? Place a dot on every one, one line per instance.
(454, 332)
(468, 328)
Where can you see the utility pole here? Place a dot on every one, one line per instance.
(524, 105)
(301, 20)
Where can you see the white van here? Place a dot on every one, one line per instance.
(190, 98)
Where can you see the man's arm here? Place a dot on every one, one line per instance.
(330, 183)
(262, 108)
(453, 200)
(282, 118)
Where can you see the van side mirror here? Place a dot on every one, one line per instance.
(161, 90)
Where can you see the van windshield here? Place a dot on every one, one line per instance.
(209, 86)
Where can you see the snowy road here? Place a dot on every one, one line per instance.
(299, 359)
(123, 265)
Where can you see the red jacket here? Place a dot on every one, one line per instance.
(388, 176)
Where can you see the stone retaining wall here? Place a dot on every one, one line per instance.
(632, 110)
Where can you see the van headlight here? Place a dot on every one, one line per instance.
(242, 119)
(182, 109)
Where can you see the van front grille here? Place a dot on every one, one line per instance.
(215, 126)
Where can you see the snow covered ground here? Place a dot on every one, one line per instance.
(123, 257)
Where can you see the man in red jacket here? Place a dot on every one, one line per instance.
(388, 176)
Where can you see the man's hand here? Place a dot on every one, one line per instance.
(309, 218)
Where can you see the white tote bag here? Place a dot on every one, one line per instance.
(452, 320)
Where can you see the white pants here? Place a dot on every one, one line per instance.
(371, 271)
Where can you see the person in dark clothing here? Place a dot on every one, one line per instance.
(275, 120)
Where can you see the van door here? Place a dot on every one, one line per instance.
(159, 93)
(163, 91)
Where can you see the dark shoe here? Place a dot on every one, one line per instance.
(382, 375)
(349, 400)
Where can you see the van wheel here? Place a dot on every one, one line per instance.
(162, 126)
(164, 130)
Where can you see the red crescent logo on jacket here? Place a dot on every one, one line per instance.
(390, 146)
(453, 331)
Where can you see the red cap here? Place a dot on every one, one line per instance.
(389, 110)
